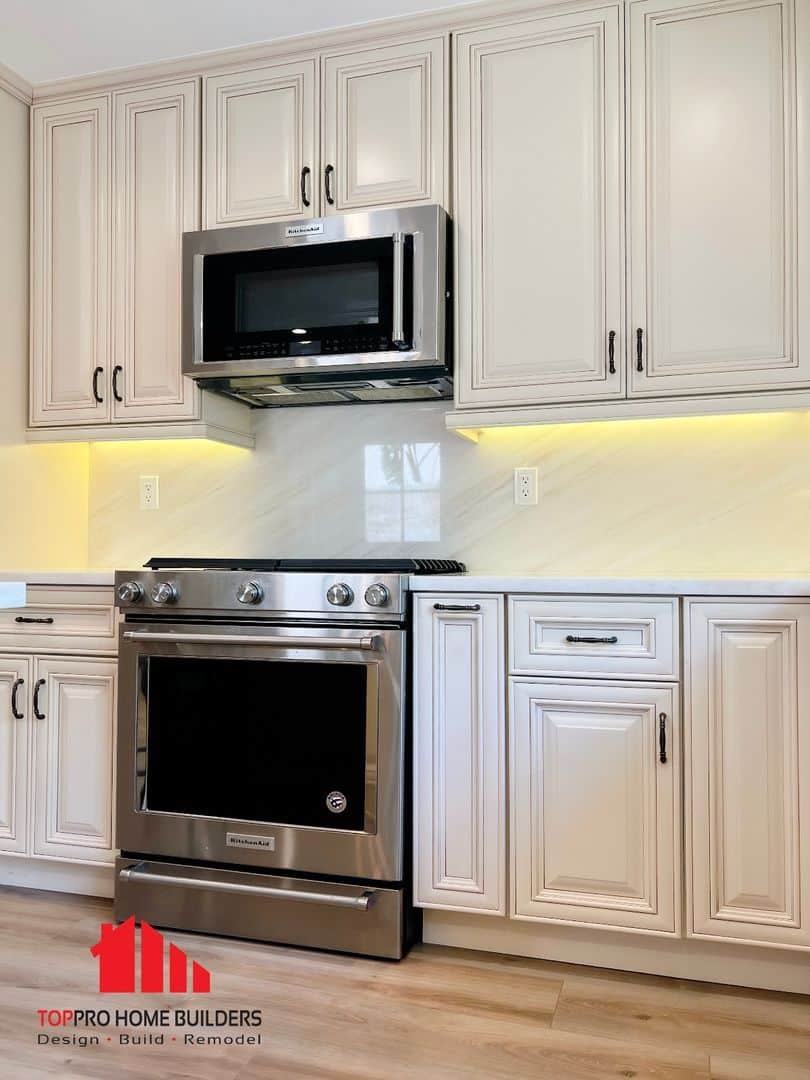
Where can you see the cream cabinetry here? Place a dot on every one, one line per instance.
(705, 111)
(748, 771)
(595, 804)
(347, 131)
(57, 732)
(459, 754)
(260, 144)
(539, 210)
(115, 182)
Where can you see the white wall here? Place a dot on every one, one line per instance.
(718, 495)
(43, 489)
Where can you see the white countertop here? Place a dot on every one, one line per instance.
(12, 594)
(59, 577)
(669, 586)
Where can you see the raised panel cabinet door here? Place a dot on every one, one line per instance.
(595, 806)
(70, 242)
(539, 211)
(74, 737)
(15, 696)
(748, 771)
(459, 753)
(260, 145)
(712, 131)
(156, 200)
(385, 126)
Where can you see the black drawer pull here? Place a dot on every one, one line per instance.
(48, 619)
(662, 738)
(18, 685)
(456, 607)
(39, 684)
(572, 639)
(327, 184)
(117, 370)
(639, 349)
(611, 352)
(304, 177)
(99, 400)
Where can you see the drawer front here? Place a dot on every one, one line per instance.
(588, 636)
(61, 619)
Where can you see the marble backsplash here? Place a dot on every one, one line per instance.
(718, 495)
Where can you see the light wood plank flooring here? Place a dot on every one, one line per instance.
(440, 1013)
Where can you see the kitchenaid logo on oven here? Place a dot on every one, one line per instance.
(249, 840)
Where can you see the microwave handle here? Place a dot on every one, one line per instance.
(398, 314)
(197, 308)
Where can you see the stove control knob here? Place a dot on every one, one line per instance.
(250, 592)
(377, 595)
(130, 592)
(340, 595)
(164, 592)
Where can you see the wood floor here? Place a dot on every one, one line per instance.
(440, 1013)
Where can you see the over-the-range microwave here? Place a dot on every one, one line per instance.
(333, 310)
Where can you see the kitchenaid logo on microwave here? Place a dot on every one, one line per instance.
(307, 229)
(240, 839)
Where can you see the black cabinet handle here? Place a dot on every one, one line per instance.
(116, 392)
(327, 184)
(18, 685)
(662, 738)
(38, 686)
(48, 619)
(304, 176)
(611, 350)
(639, 350)
(574, 639)
(456, 607)
(99, 400)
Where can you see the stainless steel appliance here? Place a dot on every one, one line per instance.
(332, 310)
(263, 750)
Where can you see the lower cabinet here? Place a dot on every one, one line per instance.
(748, 771)
(459, 753)
(57, 725)
(595, 807)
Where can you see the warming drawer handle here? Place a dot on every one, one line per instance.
(303, 896)
(368, 642)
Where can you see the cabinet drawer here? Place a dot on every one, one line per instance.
(62, 619)
(587, 636)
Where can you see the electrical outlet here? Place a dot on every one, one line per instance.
(150, 492)
(526, 487)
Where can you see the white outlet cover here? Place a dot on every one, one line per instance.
(526, 486)
(149, 492)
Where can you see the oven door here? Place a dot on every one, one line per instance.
(264, 746)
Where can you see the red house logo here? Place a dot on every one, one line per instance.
(116, 962)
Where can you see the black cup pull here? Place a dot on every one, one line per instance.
(639, 349)
(574, 639)
(662, 738)
(327, 184)
(611, 352)
(456, 607)
(116, 392)
(304, 177)
(48, 619)
(38, 686)
(99, 400)
(18, 685)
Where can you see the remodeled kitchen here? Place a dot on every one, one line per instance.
(405, 578)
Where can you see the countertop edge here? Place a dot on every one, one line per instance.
(672, 586)
(59, 577)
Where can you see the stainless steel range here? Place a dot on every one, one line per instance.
(263, 750)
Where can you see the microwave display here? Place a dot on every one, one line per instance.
(325, 298)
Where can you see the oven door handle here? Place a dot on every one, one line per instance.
(368, 642)
(303, 896)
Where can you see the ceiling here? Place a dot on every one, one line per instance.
(55, 39)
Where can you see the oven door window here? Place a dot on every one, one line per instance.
(283, 742)
(318, 299)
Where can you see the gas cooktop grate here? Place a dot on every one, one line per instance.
(325, 566)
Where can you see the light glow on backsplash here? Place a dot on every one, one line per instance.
(698, 495)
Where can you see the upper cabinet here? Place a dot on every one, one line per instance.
(705, 113)
(260, 144)
(115, 182)
(70, 308)
(365, 130)
(539, 211)
(713, 197)
(385, 124)
(155, 192)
